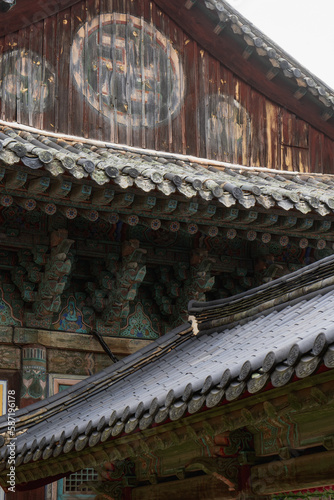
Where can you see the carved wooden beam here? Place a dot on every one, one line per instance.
(287, 222)
(129, 219)
(15, 180)
(48, 299)
(304, 472)
(166, 206)
(321, 226)
(103, 196)
(144, 203)
(207, 212)
(248, 52)
(327, 114)
(28, 204)
(186, 209)
(189, 4)
(111, 217)
(6, 200)
(128, 277)
(68, 212)
(267, 220)
(171, 225)
(300, 92)
(248, 217)
(38, 185)
(80, 192)
(90, 215)
(122, 200)
(228, 214)
(153, 224)
(211, 231)
(187, 489)
(304, 224)
(47, 208)
(60, 189)
(223, 469)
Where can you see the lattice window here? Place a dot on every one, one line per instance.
(74, 481)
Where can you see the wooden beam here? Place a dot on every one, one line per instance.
(15, 180)
(122, 200)
(90, 215)
(308, 471)
(111, 217)
(39, 185)
(167, 206)
(144, 203)
(73, 341)
(304, 225)
(228, 214)
(81, 192)
(6, 200)
(189, 4)
(211, 231)
(47, 208)
(103, 196)
(195, 488)
(69, 212)
(248, 52)
(60, 189)
(153, 224)
(186, 209)
(248, 217)
(326, 115)
(300, 93)
(26, 203)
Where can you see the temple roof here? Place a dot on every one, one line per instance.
(267, 48)
(123, 167)
(262, 339)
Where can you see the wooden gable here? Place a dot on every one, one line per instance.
(128, 73)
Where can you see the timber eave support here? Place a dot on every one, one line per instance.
(281, 476)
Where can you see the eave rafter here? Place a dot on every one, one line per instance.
(297, 403)
(84, 199)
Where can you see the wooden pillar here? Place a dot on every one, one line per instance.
(195, 488)
(33, 384)
(33, 388)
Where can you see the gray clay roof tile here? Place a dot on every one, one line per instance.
(123, 167)
(195, 365)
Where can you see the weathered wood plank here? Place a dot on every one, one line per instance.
(63, 76)
(84, 71)
(49, 76)
(78, 17)
(191, 97)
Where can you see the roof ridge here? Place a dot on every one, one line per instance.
(152, 152)
(287, 63)
(221, 313)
